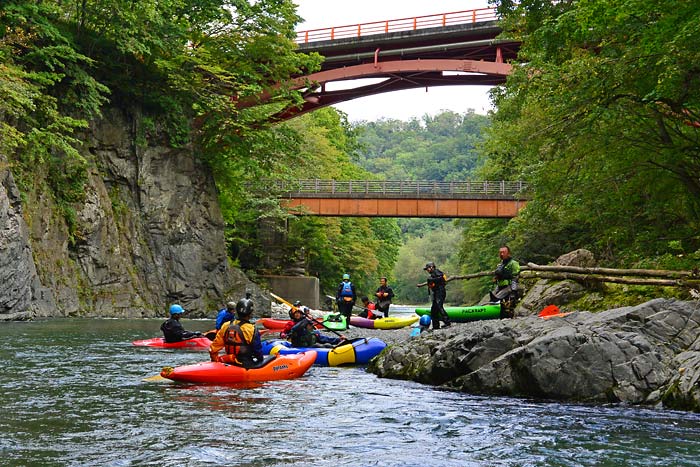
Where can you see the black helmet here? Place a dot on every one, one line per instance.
(429, 265)
(244, 307)
(231, 306)
(297, 303)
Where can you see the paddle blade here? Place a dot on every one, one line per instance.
(155, 379)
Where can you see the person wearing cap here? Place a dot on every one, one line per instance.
(226, 314)
(436, 285)
(345, 297)
(172, 328)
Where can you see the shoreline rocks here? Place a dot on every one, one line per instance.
(647, 354)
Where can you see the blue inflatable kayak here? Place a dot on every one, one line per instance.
(355, 351)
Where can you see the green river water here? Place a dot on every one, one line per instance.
(73, 395)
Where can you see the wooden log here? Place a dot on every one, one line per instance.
(614, 272)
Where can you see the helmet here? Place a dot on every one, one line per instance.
(304, 309)
(424, 320)
(346, 276)
(176, 309)
(429, 264)
(297, 303)
(231, 306)
(244, 307)
(293, 311)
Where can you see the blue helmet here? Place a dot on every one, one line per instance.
(424, 320)
(176, 309)
(346, 276)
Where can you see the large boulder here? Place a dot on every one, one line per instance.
(647, 354)
(543, 292)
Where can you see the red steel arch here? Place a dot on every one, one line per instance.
(402, 74)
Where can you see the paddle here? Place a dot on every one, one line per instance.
(211, 335)
(155, 379)
(282, 300)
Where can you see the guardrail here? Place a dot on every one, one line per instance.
(396, 25)
(389, 188)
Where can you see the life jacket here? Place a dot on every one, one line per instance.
(436, 280)
(346, 291)
(371, 308)
(235, 342)
(507, 271)
(301, 336)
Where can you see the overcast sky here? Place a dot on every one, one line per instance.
(402, 105)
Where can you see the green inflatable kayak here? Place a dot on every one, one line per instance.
(335, 321)
(461, 314)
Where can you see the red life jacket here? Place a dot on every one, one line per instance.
(371, 307)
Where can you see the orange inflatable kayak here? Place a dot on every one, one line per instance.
(273, 367)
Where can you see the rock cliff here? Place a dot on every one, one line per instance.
(647, 354)
(149, 233)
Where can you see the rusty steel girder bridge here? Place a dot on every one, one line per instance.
(401, 198)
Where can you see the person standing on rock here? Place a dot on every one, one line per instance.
(384, 295)
(505, 276)
(345, 297)
(436, 285)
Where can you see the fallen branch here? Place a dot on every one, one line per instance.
(663, 278)
(614, 272)
(599, 278)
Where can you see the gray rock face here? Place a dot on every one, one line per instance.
(21, 294)
(149, 233)
(647, 354)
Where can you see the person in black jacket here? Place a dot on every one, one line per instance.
(172, 328)
(436, 285)
(384, 295)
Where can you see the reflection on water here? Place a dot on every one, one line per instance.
(73, 394)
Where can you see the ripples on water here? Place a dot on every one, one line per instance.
(72, 394)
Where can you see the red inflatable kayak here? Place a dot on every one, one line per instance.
(276, 325)
(272, 368)
(197, 343)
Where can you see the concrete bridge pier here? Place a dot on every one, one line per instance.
(291, 283)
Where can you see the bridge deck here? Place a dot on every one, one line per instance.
(406, 198)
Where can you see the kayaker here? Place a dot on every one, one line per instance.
(384, 295)
(296, 313)
(369, 309)
(423, 325)
(238, 338)
(505, 276)
(173, 331)
(304, 334)
(226, 314)
(436, 285)
(345, 297)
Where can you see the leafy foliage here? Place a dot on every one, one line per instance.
(602, 119)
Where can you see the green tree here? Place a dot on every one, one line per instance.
(438, 246)
(602, 120)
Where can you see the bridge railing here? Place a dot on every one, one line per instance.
(397, 25)
(389, 188)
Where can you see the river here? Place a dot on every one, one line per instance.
(73, 395)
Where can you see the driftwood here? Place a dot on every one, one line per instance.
(662, 278)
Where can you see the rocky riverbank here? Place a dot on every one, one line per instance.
(647, 354)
